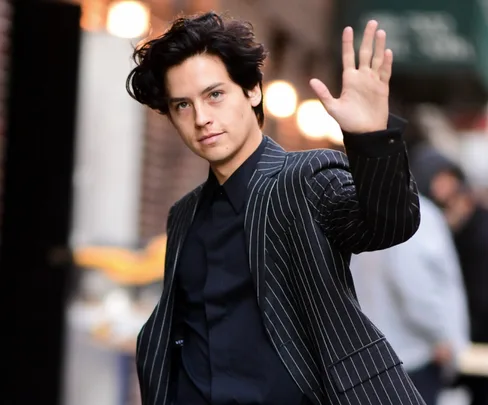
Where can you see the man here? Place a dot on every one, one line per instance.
(414, 293)
(258, 304)
(446, 184)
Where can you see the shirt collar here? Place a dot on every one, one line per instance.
(235, 187)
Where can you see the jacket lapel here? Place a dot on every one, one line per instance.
(183, 218)
(259, 191)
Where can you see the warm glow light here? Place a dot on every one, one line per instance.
(314, 122)
(280, 99)
(93, 15)
(128, 19)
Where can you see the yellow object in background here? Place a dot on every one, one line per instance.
(125, 266)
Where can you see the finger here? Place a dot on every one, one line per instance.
(322, 92)
(379, 50)
(366, 49)
(348, 57)
(386, 67)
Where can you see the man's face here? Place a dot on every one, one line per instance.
(444, 188)
(211, 113)
(448, 192)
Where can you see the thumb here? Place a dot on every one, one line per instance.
(322, 92)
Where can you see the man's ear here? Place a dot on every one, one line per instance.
(255, 95)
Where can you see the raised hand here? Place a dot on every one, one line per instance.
(363, 103)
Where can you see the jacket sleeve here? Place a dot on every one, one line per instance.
(367, 200)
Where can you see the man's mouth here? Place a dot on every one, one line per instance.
(209, 137)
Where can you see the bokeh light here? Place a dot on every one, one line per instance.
(280, 99)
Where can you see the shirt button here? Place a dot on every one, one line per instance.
(390, 141)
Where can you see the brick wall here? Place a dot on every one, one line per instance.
(4, 49)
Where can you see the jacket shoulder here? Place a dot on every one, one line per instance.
(312, 161)
(188, 197)
(180, 206)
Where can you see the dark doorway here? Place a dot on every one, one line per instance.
(36, 219)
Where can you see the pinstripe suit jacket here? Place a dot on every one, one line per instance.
(306, 213)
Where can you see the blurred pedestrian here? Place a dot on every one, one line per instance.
(415, 294)
(446, 184)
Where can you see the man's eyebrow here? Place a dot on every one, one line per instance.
(174, 100)
(211, 87)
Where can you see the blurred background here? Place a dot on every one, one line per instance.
(87, 175)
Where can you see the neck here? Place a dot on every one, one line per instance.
(223, 170)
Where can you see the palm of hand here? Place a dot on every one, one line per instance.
(363, 103)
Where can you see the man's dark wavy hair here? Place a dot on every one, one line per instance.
(231, 40)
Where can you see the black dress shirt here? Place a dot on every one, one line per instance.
(226, 357)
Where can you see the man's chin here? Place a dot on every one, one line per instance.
(217, 159)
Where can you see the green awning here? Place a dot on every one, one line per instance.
(428, 36)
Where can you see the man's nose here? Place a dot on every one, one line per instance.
(202, 116)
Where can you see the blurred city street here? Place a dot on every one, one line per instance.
(88, 176)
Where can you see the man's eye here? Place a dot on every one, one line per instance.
(183, 105)
(215, 94)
